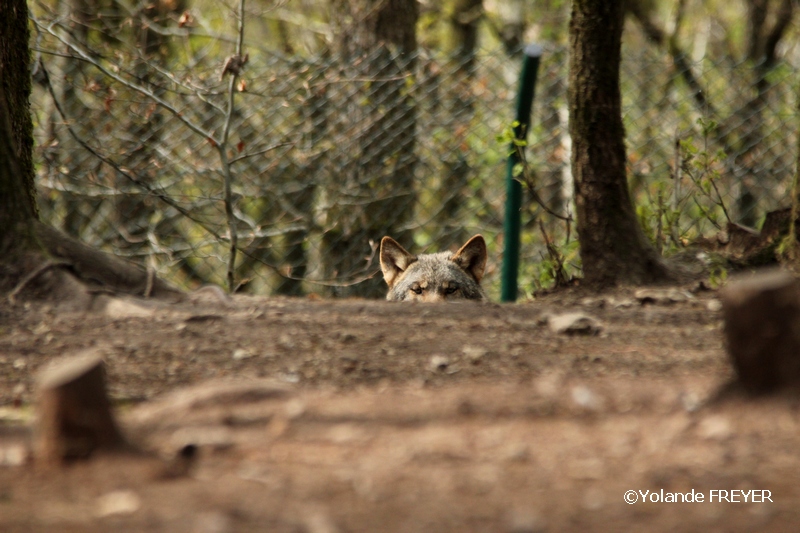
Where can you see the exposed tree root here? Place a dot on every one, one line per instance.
(69, 272)
(97, 268)
(30, 277)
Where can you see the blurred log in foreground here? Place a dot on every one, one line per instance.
(74, 413)
(762, 330)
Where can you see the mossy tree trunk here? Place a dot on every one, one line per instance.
(613, 247)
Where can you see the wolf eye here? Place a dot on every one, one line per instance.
(450, 290)
(416, 290)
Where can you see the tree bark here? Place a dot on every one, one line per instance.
(613, 247)
(16, 85)
(17, 203)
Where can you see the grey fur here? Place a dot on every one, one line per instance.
(434, 277)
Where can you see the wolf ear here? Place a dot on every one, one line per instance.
(394, 260)
(472, 257)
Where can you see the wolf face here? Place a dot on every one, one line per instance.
(434, 277)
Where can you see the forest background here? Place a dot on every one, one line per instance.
(268, 146)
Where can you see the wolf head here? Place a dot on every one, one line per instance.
(434, 277)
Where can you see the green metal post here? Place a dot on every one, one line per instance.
(511, 224)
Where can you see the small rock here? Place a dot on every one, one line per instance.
(240, 353)
(289, 377)
(119, 308)
(593, 302)
(585, 398)
(715, 427)
(574, 324)
(438, 363)
(347, 337)
(41, 329)
(690, 401)
(474, 353)
(118, 502)
(662, 296)
(294, 409)
(622, 303)
(15, 455)
(714, 306)
(210, 294)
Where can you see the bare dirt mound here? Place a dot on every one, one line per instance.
(321, 416)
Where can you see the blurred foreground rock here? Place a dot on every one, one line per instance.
(762, 329)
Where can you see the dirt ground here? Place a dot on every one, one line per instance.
(348, 416)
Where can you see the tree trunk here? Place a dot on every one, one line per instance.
(17, 199)
(372, 192)
(15, 64)
(460, 104)
(762, 42)
(613, 247)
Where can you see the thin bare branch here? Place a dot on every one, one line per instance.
(528, 181)
(85, 56)
(260, 152)
(222, 147)
(139, 183)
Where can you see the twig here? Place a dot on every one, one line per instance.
(33, 275)
(222, 147)
(264, 151)
(720, 202)
(705, 213)
(528, 181)
(151, 275)
(561, 278)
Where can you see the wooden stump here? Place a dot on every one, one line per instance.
(762, 330)
(74, 413)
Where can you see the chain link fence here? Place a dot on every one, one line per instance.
(305, 163)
